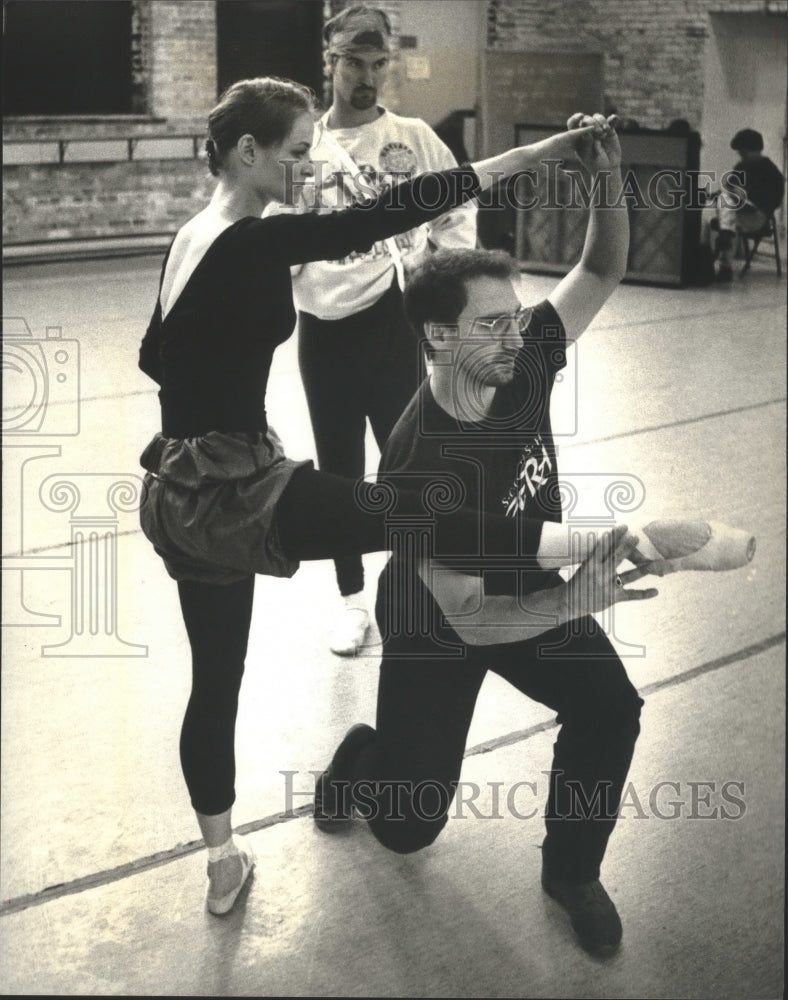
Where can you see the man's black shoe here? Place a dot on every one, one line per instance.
(333, 799)
(594, 917)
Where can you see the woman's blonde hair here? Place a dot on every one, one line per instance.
(265, 107)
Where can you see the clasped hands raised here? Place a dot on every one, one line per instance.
(592, 139)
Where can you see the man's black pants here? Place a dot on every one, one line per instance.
(424, 711)
(366, 366)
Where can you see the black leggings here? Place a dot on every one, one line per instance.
(217, 622)
(319, 516)
(364, 366)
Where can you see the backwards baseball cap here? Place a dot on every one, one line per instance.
(358, 29)
(748, 139)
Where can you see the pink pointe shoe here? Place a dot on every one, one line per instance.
(220, 905)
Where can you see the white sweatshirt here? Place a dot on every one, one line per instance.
(383, 152)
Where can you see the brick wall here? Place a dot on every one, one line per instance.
(88, 200)
(183, 57)
(174, 84)
(140, 49)
(653, 52)
(653, 71)
(173, 89)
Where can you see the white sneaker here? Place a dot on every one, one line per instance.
(350, 629)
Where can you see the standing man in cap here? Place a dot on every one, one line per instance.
(748, 205)
(358, 357)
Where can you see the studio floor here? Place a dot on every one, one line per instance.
(673, 404)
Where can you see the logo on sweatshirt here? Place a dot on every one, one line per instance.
(397, 158)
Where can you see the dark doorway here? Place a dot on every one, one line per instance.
(67, 57)
(270, 38)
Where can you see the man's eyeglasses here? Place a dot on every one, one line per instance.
(498, 326)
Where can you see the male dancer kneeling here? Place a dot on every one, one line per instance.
(481, 423)
(479, 428)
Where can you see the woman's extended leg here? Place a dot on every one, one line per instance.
(320, 516)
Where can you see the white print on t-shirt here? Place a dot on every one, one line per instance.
(398, 158)
(356, 163)
(532, 473)
(398, 162)
(353, 188)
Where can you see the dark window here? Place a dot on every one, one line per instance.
(270, 38)
(67, 57)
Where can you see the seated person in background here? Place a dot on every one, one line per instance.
(747, 205)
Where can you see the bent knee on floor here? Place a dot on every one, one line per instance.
(407, 816)
(406, 836)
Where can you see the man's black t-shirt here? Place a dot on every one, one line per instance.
(504, 462)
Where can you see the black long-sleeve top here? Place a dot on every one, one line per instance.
(764, 183)
(212, 353)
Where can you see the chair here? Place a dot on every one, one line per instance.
(752, 242)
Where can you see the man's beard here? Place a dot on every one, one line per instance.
(498, 377)
(361, 100)
(486, 374)
(496, 372)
